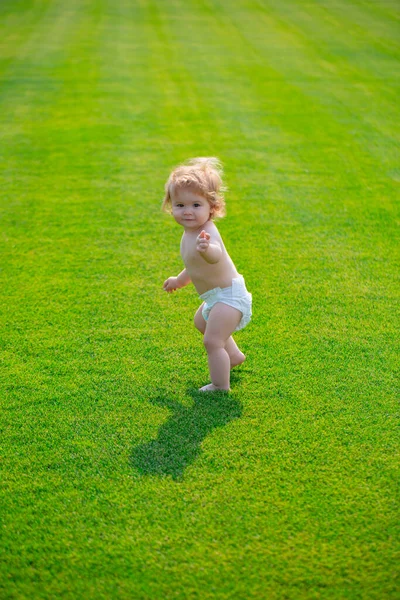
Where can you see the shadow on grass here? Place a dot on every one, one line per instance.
(179, 439)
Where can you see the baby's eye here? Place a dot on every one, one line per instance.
(196, 204)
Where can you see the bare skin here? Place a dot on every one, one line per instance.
(207, 265)
(236, 357)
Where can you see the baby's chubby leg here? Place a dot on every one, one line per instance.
(236, 356)
(222, 321)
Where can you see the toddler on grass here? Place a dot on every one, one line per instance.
(194, 196)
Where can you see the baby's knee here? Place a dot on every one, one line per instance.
(212, 342)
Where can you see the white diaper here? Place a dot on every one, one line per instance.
(236, 296)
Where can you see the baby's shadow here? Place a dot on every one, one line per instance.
(179, 439)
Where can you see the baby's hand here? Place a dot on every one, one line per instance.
(170, 284)
(203, 241)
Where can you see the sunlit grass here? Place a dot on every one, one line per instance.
(118, 479)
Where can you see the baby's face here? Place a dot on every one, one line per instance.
(190, 209)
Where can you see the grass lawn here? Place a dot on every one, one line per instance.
(118, 479)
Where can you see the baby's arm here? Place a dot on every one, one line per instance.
(210, 252)
(174, 283)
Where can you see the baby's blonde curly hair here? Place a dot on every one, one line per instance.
(202, 174)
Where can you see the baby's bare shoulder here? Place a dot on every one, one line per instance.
(212, 229)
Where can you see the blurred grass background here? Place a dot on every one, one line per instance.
(118, 479)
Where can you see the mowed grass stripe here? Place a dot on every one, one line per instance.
(270, 116)
(62, 273)
(298, 494)
(33, 59)
(370, 72)
(376, 19)
(16, 29)
(305, 66)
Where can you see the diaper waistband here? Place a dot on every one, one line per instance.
(211, 293)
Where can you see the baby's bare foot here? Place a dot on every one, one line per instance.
(237, 359)
(212, 388)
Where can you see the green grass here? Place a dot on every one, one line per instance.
(118, 479)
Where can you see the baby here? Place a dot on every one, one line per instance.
(194, 196)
